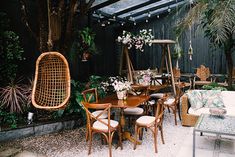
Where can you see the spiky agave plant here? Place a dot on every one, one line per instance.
(12, 97)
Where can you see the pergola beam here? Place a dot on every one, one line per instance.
(102, 5)
(153, 8)
(135, 7)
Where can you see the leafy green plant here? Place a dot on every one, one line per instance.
(10, 51)
(7, 118)
(214, 86)
(87, 41)
(12, 97)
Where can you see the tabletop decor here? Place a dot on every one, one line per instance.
(136, 41)
(118, 84)
(144, 77)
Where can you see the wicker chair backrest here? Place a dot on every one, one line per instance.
(203, 73)
(51, 88)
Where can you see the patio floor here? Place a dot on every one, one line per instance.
(71, 143)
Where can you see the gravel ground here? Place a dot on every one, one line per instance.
(71, 143)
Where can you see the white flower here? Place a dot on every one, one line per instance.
(137, 41)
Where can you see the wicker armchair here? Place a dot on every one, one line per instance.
(203, 73)
(51, 89)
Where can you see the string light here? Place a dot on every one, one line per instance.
(149, 15)
(158, 16)
(122, 23)
(146, 20)
(169, 9)
(103, 24)
(134, 23)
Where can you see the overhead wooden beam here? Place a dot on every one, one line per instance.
(135, 7)
(153, 8)
(159, 12)
(101, 5)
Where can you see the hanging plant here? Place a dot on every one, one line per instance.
(178, 52)
(86, 44)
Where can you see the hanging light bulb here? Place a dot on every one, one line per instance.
(158, 16)
(103, 24)
(122, 23)
(114, 17)
(149, 15)
(108, 22)
(146, 20)
(99, 20)
(134, 23)
(190, 50)
(169, 9)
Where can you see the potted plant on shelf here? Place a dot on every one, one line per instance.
(86, 44)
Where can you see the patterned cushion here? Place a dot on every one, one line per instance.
(195, 99)
(212, 98)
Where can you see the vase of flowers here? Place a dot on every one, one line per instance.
(121, 87)
(144, 77)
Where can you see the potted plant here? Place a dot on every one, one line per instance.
(86, 43)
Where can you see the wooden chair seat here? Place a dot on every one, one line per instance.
(97, 125)
(202, 82)
(146, 121)
(134, 111)
(157, 95)
(169, 101)
(102, 116)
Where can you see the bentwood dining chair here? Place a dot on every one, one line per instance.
(105, 127)
(133, 112)
(172, 102)
(91, 96)
(152, 123)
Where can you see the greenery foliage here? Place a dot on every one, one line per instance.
(7, 118)
(214, 86)
(87, 41)
(217, 20)
(10, 51)
(12, 97)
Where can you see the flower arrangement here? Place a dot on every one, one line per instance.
(117, 84)
(138, 41)
(144, 76)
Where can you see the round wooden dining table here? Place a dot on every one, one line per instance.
(131, 101)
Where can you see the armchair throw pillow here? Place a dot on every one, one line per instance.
(195, 99)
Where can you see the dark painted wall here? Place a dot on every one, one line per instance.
(108, 59)
(203, 51)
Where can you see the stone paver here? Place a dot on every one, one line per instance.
(28, 154)
(10, 152)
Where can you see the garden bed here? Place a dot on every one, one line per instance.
(40, 128)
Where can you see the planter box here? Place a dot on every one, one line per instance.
(39, 129)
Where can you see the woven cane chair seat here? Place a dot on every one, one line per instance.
(51, 88)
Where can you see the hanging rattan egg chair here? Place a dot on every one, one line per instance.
(51, 89)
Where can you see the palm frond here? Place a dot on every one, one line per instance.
(194, 15)
(223, 21)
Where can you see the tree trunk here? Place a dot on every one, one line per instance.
(228, 53)
(43, 25)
